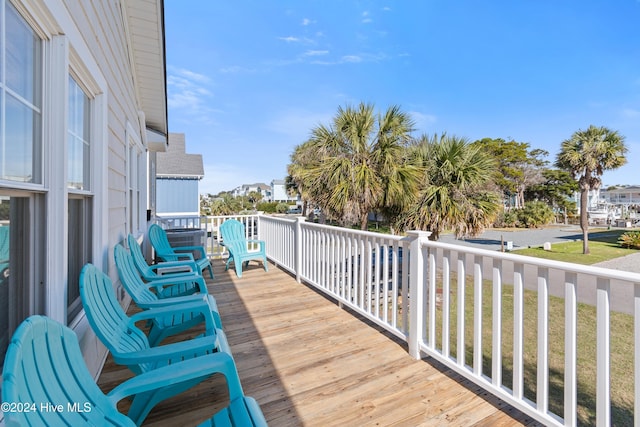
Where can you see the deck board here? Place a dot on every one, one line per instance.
(310, 363)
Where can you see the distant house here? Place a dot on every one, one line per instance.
(245, 189)
(626, 196)
(177, 177)
(82, 102)
(279, 191)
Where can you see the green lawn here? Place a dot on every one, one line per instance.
(622, 385)
(603, 246)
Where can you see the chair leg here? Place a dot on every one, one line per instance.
(239, 269)
(264, 262)
(210, 271)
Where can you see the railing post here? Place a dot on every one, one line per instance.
(297, 238)
(416, 290)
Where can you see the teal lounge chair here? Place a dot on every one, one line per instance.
(121, 335)
(166, 252)
(161, 269)
(233, 238)
(169, 291)
(44, 365)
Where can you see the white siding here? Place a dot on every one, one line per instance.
(93, 37)
(177, 197)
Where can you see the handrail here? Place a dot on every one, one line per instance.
(419, 290)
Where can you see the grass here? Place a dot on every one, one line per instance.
(622, 385)
(603, 246)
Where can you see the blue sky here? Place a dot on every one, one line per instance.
(247, 80)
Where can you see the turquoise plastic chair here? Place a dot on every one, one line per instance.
(44, 364)
(169, 291)
(233, 238)
(121, 335)
(150, 272)
(164, 250)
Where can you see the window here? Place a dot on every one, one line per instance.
(21, 214)
(136, 197)
(20, 99)
(78, 135)
(80, 211)
(79, 249)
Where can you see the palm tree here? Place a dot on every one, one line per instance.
(456, 190)
(587, 154)
(303, 159)
(358, 164)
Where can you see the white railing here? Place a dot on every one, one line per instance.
(481, 313)
(211, 226)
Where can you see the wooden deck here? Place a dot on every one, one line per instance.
(310, 363)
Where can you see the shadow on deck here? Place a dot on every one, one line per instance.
(310, 363)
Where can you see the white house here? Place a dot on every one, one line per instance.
(279, 191)
(245, 189)
(82, 102)
(177, 178)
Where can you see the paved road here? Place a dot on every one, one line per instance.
(621, 293)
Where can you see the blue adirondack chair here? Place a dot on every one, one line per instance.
(155, 271)
(166, 252)
(169, 291)
(120, 333)
(233, 238)
(44, 364)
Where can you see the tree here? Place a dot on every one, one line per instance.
(254, 198)
(518, 167)
(299, 181)
(557, 190)
(455, 191)
(586, 155)
(357, 164)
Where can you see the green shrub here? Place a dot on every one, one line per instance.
(282, 208)
(535, 214)
(630, 239)
(267, 207)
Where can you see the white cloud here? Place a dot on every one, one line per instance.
(631, 113)
(366, 18)
(422, 121)
(289, 39)
(305, 22)
(188, 92)
(316, 53)
(351, 58)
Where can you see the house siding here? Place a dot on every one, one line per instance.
(177, 197)
(96, 36)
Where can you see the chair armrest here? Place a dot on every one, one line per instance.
(203, 253)
(174, 265)
(174, 256)
(201, 306)
(175, 302)
(181, 372)
(198, 280)
(191, 350)
(179, 279)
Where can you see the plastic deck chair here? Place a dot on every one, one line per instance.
(169, 291)
(233, 238)
(166, 252)
(155, 271)
(44, 364)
